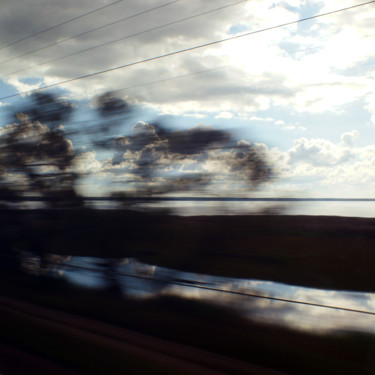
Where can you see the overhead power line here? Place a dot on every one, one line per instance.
(170, 78)
(125, 37)
(186, 50)
(122, 118)
(86, 32)
(149, 83)
(213, 289)
(193, 284)
(60, 24)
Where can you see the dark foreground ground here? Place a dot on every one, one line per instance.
(52, 327)
(48, 326)
(317, 251)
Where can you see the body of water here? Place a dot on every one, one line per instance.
(349, 208)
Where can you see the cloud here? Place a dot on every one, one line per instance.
(87, 163)
(370, 106)
(226, 115)
(318, 152)
(261, 70)
(348, 138)
(318, 167)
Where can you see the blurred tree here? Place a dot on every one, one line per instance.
(36, 157)
(159, 161)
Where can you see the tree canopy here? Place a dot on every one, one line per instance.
(38, 157)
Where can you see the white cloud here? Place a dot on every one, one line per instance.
(22, 86)
(317, 152)
(87, 163)
(320, 168)
(226, 115)
(262, 72)
(348, 138)
(370, 100)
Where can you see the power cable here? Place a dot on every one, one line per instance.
(85, 33)
(185, 50)
(60, 24)
(193, 285)
(253, 295)
(142, 85)
(124, 37)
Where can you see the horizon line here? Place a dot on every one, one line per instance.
(185, 199)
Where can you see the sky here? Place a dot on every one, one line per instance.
(302, 93)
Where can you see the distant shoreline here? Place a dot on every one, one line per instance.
(182, 199)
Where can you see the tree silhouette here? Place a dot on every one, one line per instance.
(159, 161)
(36, 157)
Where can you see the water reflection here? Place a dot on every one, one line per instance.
(38, 265)
(262, 301)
